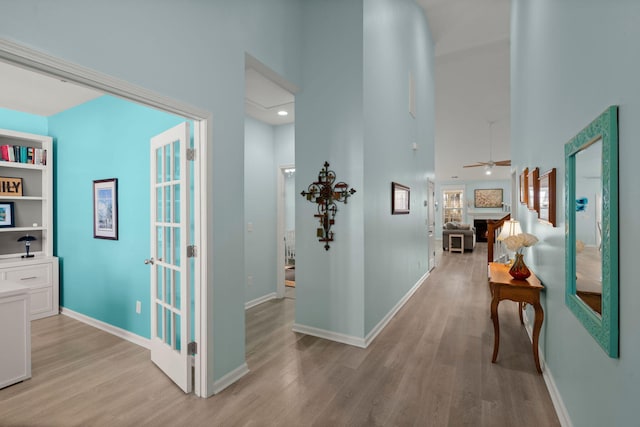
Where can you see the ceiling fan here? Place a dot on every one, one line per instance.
(488, 166)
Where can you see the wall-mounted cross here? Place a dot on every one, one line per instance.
(325, 194)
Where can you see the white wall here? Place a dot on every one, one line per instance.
(570, 61)
(397, 43)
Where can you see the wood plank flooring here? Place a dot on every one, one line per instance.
(431, 366)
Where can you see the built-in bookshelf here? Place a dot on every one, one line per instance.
(27, 160)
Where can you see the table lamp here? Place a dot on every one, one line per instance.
(27, 243)
(509, 228)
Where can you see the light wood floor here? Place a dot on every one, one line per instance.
(430, 367)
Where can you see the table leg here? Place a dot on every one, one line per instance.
(496, 326)
(520, 313)
(537, 325)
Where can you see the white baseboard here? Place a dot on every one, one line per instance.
(358, 341)
(556, 398)
(260, 300)
(329, 335)
(386, 319)
(113, 330)
(230, 378)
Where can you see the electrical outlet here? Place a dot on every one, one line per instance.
(250, 280)
(249, 227)
(138, 307)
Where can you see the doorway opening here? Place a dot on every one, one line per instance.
(31, 60)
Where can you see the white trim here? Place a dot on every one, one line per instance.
(357, 341)
(386, 319)
(113, 330)
(52, 66)
(202, 133)
(329, 335)
(280, 229)
(554, 393)
(260, 300)
(38, 61)
(230, 378)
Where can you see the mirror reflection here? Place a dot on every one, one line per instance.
(588, 225)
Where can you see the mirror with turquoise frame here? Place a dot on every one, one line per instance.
(591, 192)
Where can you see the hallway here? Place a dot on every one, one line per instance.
(430, 367)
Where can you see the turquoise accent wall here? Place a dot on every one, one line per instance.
(105, 138)
(23, 122)
(397, 42)
(569, 61)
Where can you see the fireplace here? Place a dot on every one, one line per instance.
(481, 229)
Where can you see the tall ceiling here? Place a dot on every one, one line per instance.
(472, 85)
(471, 78)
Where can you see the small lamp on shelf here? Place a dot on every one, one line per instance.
(27, 243)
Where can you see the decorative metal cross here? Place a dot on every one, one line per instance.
(325, 194)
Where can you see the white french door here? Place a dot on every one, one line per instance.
(170, 298)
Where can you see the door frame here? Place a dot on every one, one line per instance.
(37, 61)
(280, 288)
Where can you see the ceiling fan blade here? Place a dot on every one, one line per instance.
(476, 165)
(503, 163)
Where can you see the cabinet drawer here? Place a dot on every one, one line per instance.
(33, 276)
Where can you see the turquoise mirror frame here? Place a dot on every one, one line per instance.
(603, 328)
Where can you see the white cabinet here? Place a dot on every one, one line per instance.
(40, 275)
(15, 334)
(31, 164)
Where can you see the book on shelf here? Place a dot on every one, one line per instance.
(21, 154)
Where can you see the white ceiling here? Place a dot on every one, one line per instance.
(472, 85)
(30, 92)
(471, 77)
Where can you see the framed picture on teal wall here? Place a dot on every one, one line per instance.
(105, 209)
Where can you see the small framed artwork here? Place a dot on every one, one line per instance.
(7, 215)
(547, 197)
(533, 201)
(490, 198)
(524, 186)
(400, 195)
(105, 209)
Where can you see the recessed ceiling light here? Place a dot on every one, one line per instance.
(282, 113)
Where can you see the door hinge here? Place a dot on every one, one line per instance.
(191, 251)
(192, 348)
(191, 154)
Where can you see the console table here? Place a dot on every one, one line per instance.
(505, 287)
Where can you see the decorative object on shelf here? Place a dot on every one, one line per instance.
(533, 203)
(11, 187)
(27, 239)
(105, 209)
(400, 198)
(547, 198)
(325, 194)
(519, 269)
(524, 186)
(490, 198)
(7, 217)
(517, 243)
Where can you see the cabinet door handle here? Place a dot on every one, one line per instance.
(28, 278)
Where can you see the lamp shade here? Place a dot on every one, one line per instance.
(510, 228)
(27, 238)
